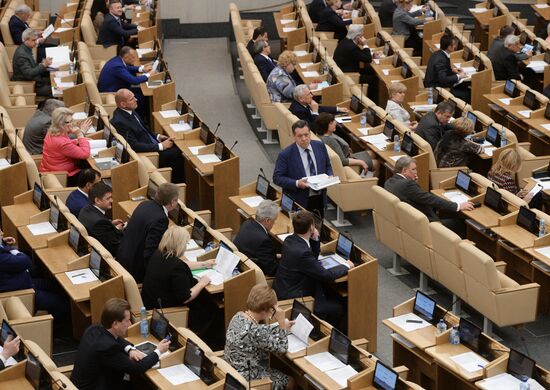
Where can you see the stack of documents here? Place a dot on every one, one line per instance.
(180, 127)
(537, 66)
(299, 53)
(456, 196)
(208, 158)
(226, 261)
(81, 276)
(318, 182)
(423, 107)
(469, 361)
(304, 65)
(378, 140)
(403, 322)
(334, 368)
(169, 114)
(253, 201)
(299, 334)
(38, 229)
(96, 145)
(489, 150)
(60, 55)
(178, 374)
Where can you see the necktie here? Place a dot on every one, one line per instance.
(151, 138)
(312, 170)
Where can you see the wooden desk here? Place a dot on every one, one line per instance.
(31, 241)
(56, 258)
(442, 355)
(77, 292)
(14, 378)
(17, 215)
(516, 235)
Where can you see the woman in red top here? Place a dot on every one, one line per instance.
(61, 153)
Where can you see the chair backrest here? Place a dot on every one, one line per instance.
(42, 356)
(336, 163)
(478, 265)
(87, 29)
(445, 242)
(385, 204)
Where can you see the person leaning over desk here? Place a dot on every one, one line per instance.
(105, 359)
(454, 150)
(405, 23)
(249, 342)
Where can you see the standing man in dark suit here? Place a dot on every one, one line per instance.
(259, 34)
(78, 199)
(403, 184)
(104, 358)
(94, 218)
(439, 72)
(298, 161)
(145, 229)
(131, 126)
(9, 349)
(385, 12)
(262, 58)
(25, 67)
(505, 65)
(307, 109)
(253, 238)
(114, 30)
(301, 274)
(434, 124)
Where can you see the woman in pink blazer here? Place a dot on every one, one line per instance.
(61, 153)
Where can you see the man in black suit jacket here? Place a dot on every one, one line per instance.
(439, 72)
(301, 274)
(104, 357)
(18, 23)
(262, 58)
(253, 238)
(259, 34)
(307, 109)
(385, 12)
(98, 225)
(145, 229)
(432, 125)
(10, 348)
(505, 64)
(130, 125)
(403, 184)
(315, 9)
(114, 30)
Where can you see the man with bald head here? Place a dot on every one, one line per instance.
(130, 125)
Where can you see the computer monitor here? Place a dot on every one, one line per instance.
(193, 357)
(218, 148)
(547, 56)
(520, 365)
(121, 155)
(198, 123)
(379, 41)
(287, 204)
(437, 97)
(344, 246)
(530, 100)
(384, 377)
(387, 49)
(339, 345)
(39, 198)
(159, 325)
(76, 242)
(181, 106)
(57, 219)
(6, 332)
(469, 334)
(405, 70)
(523, 37)
(424, 307)
(466, 53)
(463, 182)
(527, 219)
(95, 263)
(34, 372)
(493, 136)
(372, 118)
(389, 130)
(262, 186)
(471, 117)
(408, 145)
(232, 384)
(204, 135)
(355, 104)
(198, 233)
(493, 200)
(510, 88)
(478, 64)
(152, 189)
(396, 61)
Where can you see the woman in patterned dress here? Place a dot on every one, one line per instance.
(248, 342)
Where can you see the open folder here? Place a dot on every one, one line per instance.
(60, 55)
(226, 261)
(299, 334)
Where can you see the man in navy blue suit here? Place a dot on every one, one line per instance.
(299, 160)
(307, 109)
(114, 30)
(79, 197)
(262, 58)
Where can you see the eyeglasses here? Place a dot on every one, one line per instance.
(67, 122)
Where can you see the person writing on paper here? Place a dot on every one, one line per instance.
(249, 342)
(79, 198)
(404, 185)
(405, 23)
(330, 21)
(306, 108)
(301, 274)
(61, 152)
(25, 67)
(394, 106)
(503, 174)
(253, 237)
(37, 127)
(453, 150)
(366, 160)
(9, 349)
(298, 161)
(505, 64)
(169, 282)
(105, 359)
(434, 124)
(280, 84)
(114, 30)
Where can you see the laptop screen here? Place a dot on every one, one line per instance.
(424, 306)
(232, 384)
(384, 377)
(287, 204)
(339, 345)
(193, 357)
(344, 246)
(510, 88)
(527, 219)
(355, 104)
(159, 325)
(262, 186)
(520, 365)
(33, 371)
(95, 262)
(530, 100)
(492, 135)
(462, 181)
(469, 334)
(493, 200)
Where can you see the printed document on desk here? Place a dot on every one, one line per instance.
(299, 334)
(226, 261)
(37, 229)
(208, 158)
(48, 31)
(180, 127)
(253, 201)
(169, 114)
(470, 361)
(401, 321)
(4, 163)
(318, 182)
(81, 276)
(456, 196)
(325, 361)
(59, 54)
(178, 374)
(545, 251)
(192, 254)
(341, 375)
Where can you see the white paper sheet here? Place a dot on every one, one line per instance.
(97, 143)
(546, 126)
(226, 261)
(324, 361)
(180, 127)
(311, 73)
(286, 21)
(215, 277)
(470, 361)
(295, 344)
(208, 158)
(490, 150)
(505, 100)
(62, 29)
(456, 196)
(525, 113)
(423, 107)
(318, 182)
(299, 53)
(253, 201)
(375, 138)
(478, 10)
(60, 55)
(537, 66)
(545, 184)
(192, 245)
(37, 229)
(48, 31)
(169, 114)
(304, 65)
(343, 119)
(195, 149)
(4, 163)
(288, 29)
(542, 5)
(395, 158)
(301, 328)
(386, 72)
(364, 130)
(178, 374)
(142, 52)
(81, 276)
(283, 236)
(341, 375)
(80, 115)
(545, 251)
(192, 255)
(401, 321)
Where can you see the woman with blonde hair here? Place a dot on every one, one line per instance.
(249, 341)
(60, 151)
(280, 83)
(453, 150)
(394, 106)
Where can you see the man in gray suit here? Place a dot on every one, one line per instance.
(25, 67)
(38, 125)
(434, 124)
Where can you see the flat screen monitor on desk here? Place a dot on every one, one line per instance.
(34, 373)
(466, 53)
(344, 246)
(396, 60)
(405, 71)
(530, 100)
(469, 334)
(199, 233)
(152, 189)
(339, 346)
(76, 242)
(205, 135)
(121, 154)
(262, 186)
(471, 117)
(478, 64)
(160, 328)
(232, 384)
(297, 309)
(372, 118)
(98, 266)
(520, 365)
(287, 204)
(408, 145)
(463, 182)
(424, 307)
(387, 49)
(57, 219)
(181, 106)
(218, 148)
(510, 88)
(493, 200)
(527, 219)
(384, 377)
(39, 198)
(355, 104)
(389, 130)
(195, 360)
(493, 136)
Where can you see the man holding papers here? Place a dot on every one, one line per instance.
(297, 162)
(105, 360)
(300, 273)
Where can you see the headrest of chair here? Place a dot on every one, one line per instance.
(478, 265)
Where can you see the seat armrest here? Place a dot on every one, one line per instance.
(523, 287)
(501, 266)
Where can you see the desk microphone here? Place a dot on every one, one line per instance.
(14, 155)
(249, 374)
(60, 384)
(217, 128)
(452, 304)
(263, 173)
(232, 146)
(2, 120)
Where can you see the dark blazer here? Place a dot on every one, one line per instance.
(101, 361)
(17, 26)
(330, 21)
(409, 191)
(35, 132)
(300, 273)
(116, 75)
(505, 65)
(25, 67)
(14, 268)
(100, 227)
(142, 237)
(289, 168)
(114, 33)
(250, 47)
(439, 72)
(385, 13)
(138, 136)
(304, 112)
(167, 278)
(315, 9)
(431, 130)
(348, 56)
(264, 65)
(255, 242)
(76, 201)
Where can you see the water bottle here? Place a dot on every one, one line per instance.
(71, 67)
(503, 138)
(428, 12)
(430, 96)
(144, 323)
(454, 337)
(441, 327)
(363, 118)
(524, 384)
(542, 228)
(396, 144)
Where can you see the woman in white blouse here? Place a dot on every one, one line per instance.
(394, 106)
